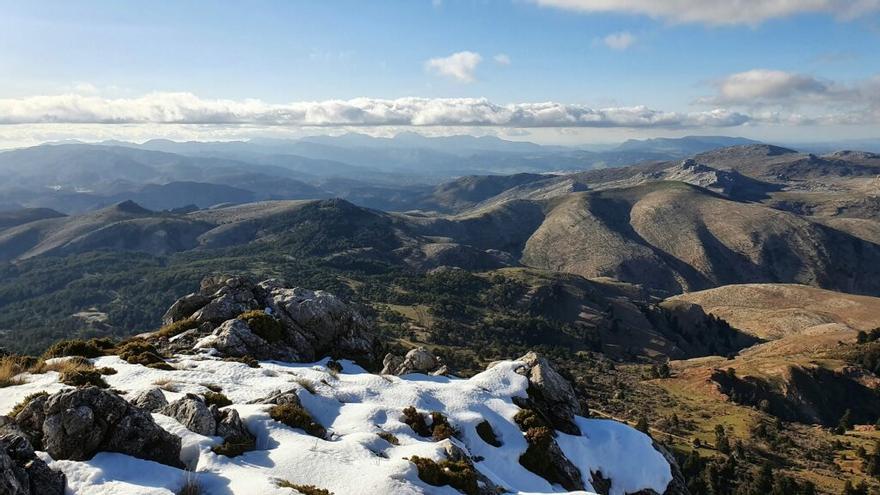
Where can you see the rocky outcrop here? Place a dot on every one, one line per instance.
(418, 360)
(269, 320)
(150, 400)
(550, 394)
(23, 473)
(78, 423)
(192, 412)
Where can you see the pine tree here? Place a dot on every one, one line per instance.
(845, 423)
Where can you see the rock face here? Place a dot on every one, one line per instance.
(76, 424)
(192, 412)
(151, 400)
(418, 360)
(550, 394)
(23, 473)
(292, 324)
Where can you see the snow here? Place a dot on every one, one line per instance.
(353, 405)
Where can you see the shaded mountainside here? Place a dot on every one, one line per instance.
(675, 237)
(668, 236)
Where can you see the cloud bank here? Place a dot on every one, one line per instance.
(187, 108)
(753, 97)
(720, 12)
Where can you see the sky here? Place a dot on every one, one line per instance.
(555, 71)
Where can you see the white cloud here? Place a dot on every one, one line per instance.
(459, 66)
(720, 12)
(619, 41)
(502, 59)
(762, 86)
(187, 108)
(190, 110)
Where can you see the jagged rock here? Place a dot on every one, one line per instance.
(23, 473)
(550, 394)
(184, 307)
(419, 360)
(150, 400)
(231, 428)
(234, 338)
(313, 323)
(192, 412)
(77, 423)
(320, 322)
(30, 419)
(280, 398)
(391, 363)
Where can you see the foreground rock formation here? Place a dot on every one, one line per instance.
(268, 320)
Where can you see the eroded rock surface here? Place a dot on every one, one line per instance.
(78, 423)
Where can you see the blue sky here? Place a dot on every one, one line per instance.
(815, 71)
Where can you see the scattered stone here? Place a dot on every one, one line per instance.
(418, 360)
(192, 412)
(150, 400)
(23, 473)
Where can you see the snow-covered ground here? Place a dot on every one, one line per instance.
(354, 406)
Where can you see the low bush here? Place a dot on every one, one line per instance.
(177, 328)
(82, 377)
(140, 352)
(388, 437)
(265, 325)
(416, 421)
(217, 399)
(86, 348)
(10, 368)
(440, 427)
(304, 489)
(457, 474)
(527, 419)
(295, 416)
(234, 447)
(537, 458)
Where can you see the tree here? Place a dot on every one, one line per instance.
(845, 423)
(642, 425)
(721, 441)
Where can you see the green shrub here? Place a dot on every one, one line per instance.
(537, 458)
(528, 419)
(234, 447)
(440, 427)
(217, 399)
(388, 437)
(264, 325)
(177, 328)
(457, 474)
(140, 352)
(27, 400)
(86, 348)
(304, 489)
(83, 377)
(296, 417)
(416, 421)
(485, 431)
